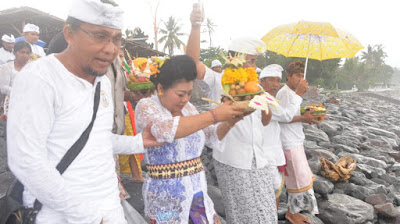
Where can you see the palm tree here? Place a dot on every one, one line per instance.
(171, 35)
(210, 29)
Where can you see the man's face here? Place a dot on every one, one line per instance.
(8, 46)
(294, 80)
(250, 61)
(31, 37)
(95, 47)
(217, 69)
(271, 84)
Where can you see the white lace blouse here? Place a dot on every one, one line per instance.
(169, 200)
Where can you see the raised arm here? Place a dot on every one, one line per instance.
(193, 45)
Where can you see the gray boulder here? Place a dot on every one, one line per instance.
(340, 208)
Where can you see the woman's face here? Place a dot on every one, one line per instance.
(23, 55)
(176, 97)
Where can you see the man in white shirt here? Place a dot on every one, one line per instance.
(6, 52)
(58, 94)
(299, 179)
(216, 66)
(31, 34)
(270, 79)
(243, 174)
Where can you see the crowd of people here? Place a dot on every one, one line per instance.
(81, 87)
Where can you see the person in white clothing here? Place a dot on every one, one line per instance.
(31, 34)
(8, 71)
(216, 66)
(299, 179)
(270, 80)
(6, 52)
(57, 92)
(242, 170)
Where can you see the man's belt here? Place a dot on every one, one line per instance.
(175, 170)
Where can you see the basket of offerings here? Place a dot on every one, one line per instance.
(143, 68)
(238, 83)
(316, 110)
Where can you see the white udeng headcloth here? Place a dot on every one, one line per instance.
(29, 27)
(247, 45)
(97, 13)
(8, 39)
(215, 63)
(272, 70)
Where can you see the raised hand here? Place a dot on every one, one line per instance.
(302, 88)
(197, 15)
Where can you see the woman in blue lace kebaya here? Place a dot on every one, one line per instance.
(176, 187)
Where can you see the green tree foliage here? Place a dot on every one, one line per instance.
(171, 32)
(366, 71)
(209, 54)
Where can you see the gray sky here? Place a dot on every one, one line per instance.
(371, 22)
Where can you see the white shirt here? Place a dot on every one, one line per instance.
(6, 56)
(211, 85)
(243, 142)
(292, 134)
(36, 49)
(49, 110)
(7, 75)
(272, 132)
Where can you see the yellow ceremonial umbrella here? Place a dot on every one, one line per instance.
(315, 40)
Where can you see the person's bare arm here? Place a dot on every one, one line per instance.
(193, 45)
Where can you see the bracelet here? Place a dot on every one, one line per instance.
(214, 116)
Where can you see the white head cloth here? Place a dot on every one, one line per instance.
(272, 70)
(8, 39)
(215, 63)
(247, 45)
(29, 27)
(97, 13)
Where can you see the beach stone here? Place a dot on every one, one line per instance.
(395, 167)
(370, 171)
(387, 210)
(359, 192)
(369, 161)
(283, 207)
(322, 153)
(323, 186)
(382, 132)
(316, 135)
(340, 208)
(345, 148)
(388, 178)
(216, 197)
(379, 181)
(349, 140)
(314, 163)
(331, 128)
(375, 199)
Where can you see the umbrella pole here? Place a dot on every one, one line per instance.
(305, 68)
(308, 51)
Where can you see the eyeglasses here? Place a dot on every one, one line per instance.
(104, 39)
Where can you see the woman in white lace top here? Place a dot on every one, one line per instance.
(176, 187)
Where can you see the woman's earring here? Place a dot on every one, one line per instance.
(160, 94)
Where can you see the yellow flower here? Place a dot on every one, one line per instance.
(235, 75)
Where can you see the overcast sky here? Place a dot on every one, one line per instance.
(371, 22)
